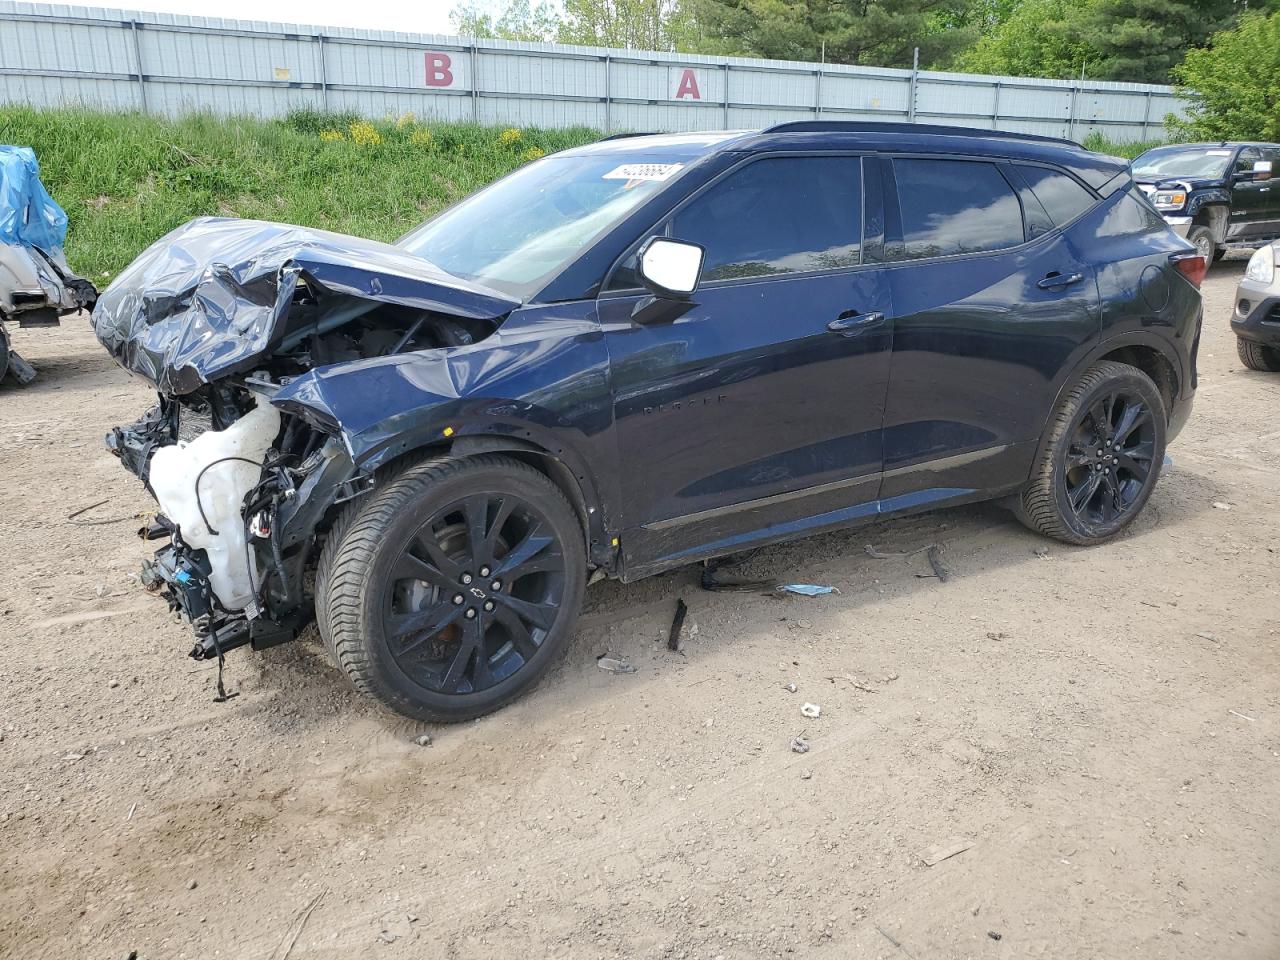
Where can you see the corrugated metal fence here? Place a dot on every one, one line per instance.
(172, 64)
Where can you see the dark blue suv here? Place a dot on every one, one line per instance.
(634, 355)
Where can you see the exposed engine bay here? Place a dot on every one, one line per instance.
(247, 484)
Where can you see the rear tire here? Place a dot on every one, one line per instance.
(1100, 458)
(453, 588)
(1255, 356)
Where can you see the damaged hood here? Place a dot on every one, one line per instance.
(213, 297)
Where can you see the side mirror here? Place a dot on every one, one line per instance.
(1262, 170)
(670, 268)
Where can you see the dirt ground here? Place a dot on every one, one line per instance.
(1101, 726)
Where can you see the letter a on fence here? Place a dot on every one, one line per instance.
(688, 86)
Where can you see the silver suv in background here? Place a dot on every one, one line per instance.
(1256, 318)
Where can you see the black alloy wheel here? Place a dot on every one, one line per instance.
(1099, 459)
(1109, 461)
(452, 588)
(474, 593)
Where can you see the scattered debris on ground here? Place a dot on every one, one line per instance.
(677, 624)
(855, 682)
(614, 664)
(943, 851)
(933, 551)
(807, 589)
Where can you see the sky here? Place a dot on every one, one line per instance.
(423, 16)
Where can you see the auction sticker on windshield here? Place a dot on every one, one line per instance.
(643, 171)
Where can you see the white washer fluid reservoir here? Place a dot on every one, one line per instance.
(223, 485)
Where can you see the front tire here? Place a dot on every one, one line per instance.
(1256, 356)
(1202, 237)
(1100, 459)
(453, 588)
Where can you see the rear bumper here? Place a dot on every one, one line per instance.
(1178, 416)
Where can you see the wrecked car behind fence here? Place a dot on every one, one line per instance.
(229, 319)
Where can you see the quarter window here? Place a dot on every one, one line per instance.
(1060, 195)
(777, 216)
(953, 207)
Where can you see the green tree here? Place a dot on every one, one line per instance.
(629, 24)
(1143, 40)
(874, 32)
(985, 14)
(517, 20)
(1037, 39)
(1233, 84)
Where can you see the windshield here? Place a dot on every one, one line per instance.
(1166, 162)
(517, 233)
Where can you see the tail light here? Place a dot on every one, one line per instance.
(1192, 266)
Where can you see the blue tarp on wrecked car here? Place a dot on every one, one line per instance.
(28, 215)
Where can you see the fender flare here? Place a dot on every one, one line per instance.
(566, 468)
(1213, 209)
(1133, 338)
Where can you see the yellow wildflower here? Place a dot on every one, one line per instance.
(365, 134)
(533, 153)
(329, 136)
(510, 137)
(421, 137)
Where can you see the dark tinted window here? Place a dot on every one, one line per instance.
(779, 215)
(1246, 159)
(955, 206)
(1061, 196)
(1130, 216)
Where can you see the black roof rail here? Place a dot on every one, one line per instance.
(876, 126)
(624, 136)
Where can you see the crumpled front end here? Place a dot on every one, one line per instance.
(222, 315)
(219, 297)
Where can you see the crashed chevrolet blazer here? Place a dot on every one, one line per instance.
(631, 356)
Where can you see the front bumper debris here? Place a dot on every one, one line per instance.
(260, 532)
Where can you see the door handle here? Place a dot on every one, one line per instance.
(849, 322)
(1055, 280)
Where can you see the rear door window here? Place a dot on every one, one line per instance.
(777, 216)
(951, 207)
(1063, 198)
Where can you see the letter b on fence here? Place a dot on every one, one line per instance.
(439, 70)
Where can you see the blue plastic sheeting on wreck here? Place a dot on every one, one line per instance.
(28, 215)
